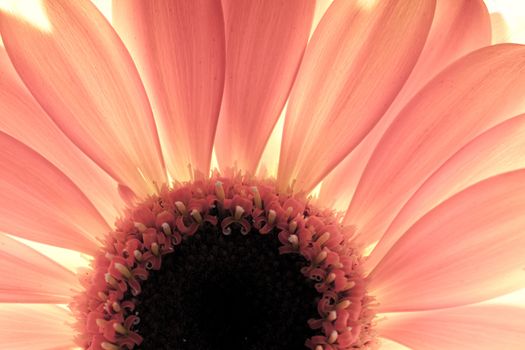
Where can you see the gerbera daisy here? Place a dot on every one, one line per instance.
(390, 210)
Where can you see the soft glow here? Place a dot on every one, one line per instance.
(104, 6)
(270, 158)
(507, 20)
(31, 11)
(70, 259)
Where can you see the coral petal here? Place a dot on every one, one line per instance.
(462, 328)
(468, 249)
(498, 150)
(27, 276)
(40, 203)
(83, 77)
(33, 326)
(472, 95)
(458, 27)
(357, 61)
(265, 44)
(33, 127)
(178, 47)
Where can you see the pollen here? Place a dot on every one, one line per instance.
(225, 262)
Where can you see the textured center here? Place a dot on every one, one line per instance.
(227, 292)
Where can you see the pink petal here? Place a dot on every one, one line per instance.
(468, 249)
(178, 47)
(475, 93)
(265, 44)
(27, 276)
(463, 328)
(82, 75)
(29, 327)
(498, 150)
(458, 27)
(40, 203)
(357, 61)
(28, 123)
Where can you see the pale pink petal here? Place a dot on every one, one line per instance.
(265, 44)
(475, 93)
(357, 61)
(28, 123)
(178, 47)
(464, 328)
(468, 249)
(458, 27)
(82, 75)
(30, 327)
(498, 150)
(40, 203)
(27, 276)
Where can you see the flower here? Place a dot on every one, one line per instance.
(400, 113)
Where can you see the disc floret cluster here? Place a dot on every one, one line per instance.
(105, 310)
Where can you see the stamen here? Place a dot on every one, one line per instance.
(138, 255)
(343, 305)
(155, 249)
(272, 215)
(166, 229)
(116, 306)
(120, 328)
(257, 197)
(123, 270)
(181, 207)
(320, 257)
(219, 191)
(332, 316)
(238, 212)
(333, 337)
(140, 226)
(197, 216)
(109, 346)
(294, 240)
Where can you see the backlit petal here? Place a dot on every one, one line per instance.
(468, 249)
(40, 203)
(464, 328)
(30, 327)
(24, 119)
(475, 93)
(83, 77)
(265, 44)
(179, 50)
(458, 27)
(357, 61)
(27, 276)
(500, 149)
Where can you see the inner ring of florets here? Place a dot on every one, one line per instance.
(106, 310)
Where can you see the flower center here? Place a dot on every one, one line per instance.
(225, 263)
(227, 292)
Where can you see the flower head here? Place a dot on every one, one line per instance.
(391, 208)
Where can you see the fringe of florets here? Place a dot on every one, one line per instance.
(152, 229)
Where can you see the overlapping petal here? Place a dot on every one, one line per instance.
(472, 95)
(458, 27)
(468, 249)
(357, 61)
(179, 50)
(42, 204)
(29, 327)
(83, 77)
(465, 328)
(23, 113)
(265, 43)
(26, 276)
(498, 150)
